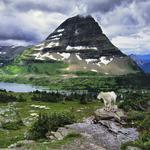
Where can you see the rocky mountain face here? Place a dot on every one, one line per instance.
(8, 53)
(80, 42)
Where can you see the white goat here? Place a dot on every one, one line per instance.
(108, 98)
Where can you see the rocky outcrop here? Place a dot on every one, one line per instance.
(103, 131)
(114, 114)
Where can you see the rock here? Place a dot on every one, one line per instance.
(132, 148)
(103, 114)
(105, 133)
(64, 131)
(58, 136)
(20, 143)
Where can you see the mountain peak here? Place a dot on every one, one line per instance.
(84, 26)
(80, 42)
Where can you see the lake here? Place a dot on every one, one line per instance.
(15, 87)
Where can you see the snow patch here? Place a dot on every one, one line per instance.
(39, 45)
(60, 30)
(67, 68)
(105, 61)
(34, 114)
(64, 55)
(90, 60)
(38, 56)
(99, 64)
(80, 48)
(57, 35)
(51, 57)
(3, 53)
(38, 49)
(55, 39)
(94, 70)
(52, 44)
(77, 55)
(39, 106)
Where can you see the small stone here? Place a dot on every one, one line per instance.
(132, 148)
(58, 136)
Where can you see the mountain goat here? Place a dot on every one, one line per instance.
(108, 98)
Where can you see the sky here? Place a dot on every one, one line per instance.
(125, 22)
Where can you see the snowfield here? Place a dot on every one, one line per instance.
(90, 60)
(80, 48)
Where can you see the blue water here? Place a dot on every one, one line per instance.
(15, 87)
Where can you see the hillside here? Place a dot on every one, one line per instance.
(143, 62)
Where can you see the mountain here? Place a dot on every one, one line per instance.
(143, 61)
(8, 53)
(80, 42)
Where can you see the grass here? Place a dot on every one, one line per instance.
(53, 145)
(34, 68)
(8, 137)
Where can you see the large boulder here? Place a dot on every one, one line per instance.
(114, 114)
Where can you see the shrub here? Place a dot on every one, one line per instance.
(49, 122)
(12, 125)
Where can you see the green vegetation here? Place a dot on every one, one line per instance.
(26, 111)
(139, 117)
(41, 111)
(49, 122)
(34, 68)
(54, 145)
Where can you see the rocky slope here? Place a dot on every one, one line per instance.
(80, 42)
(8, 53)
(103, 131)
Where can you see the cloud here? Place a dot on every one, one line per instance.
(31, 21)
(15, 42)
(103, 6)
(138, 42)
(44, 5)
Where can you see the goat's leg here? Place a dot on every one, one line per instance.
(105, 104)
(109, 106)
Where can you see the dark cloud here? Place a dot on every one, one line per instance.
(33, 20)
(13, 28)
(105, 6)
(18, 33)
